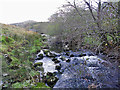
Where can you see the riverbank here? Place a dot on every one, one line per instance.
(18, 50)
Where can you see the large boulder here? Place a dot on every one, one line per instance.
(85, 73)
(75, 76)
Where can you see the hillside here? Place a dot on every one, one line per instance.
(40, 27)
(18, 48)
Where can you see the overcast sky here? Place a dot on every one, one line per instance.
(12, 11)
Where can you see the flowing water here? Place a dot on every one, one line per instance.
(81, 69)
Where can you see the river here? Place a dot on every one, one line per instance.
(81, 69)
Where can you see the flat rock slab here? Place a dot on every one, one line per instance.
(82, 76)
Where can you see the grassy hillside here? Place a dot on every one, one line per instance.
(18, 49)
(40, 27)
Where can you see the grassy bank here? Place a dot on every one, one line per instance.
(18, 50)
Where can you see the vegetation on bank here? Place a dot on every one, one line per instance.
(83, 25)
(18, 51)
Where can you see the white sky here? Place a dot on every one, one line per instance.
(13, 11)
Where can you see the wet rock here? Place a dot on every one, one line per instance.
(40, 56)
(90, 54)
(49, 54)
(72, 77)
(52, 81)
(57, 61)
(62, 58)
(58, 68)
(39, 69)
(46, 51)
(50, 74)
(38, 64)
(67, 53)
(82, 54)
(36, 59)
(71, 55)
(81, 72)
(73, 83)
(55, 73)
(68, 60)
(54, 54)
(54, 59)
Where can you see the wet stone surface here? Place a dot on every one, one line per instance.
(79, 69)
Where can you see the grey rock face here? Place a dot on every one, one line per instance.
(82, 70)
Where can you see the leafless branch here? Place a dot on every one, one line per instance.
(90, 10)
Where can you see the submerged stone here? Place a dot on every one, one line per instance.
(52, 81)
(82, 54)
(40, 56)
(56, 61)
(46, 51)
(67, 53)
(90, 54)
(58, 67)
(71, 55)
(68, 60)
(38, 64)
(50, 74)
(62, 58)
(39, 69)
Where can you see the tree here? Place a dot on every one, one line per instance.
(89, 25)
(99, 17)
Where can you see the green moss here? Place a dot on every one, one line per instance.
(6, 40)
(40, 85)
(17, 85)
(15, 61)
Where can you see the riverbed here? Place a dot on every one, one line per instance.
(80, 69)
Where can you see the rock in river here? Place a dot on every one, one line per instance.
(38, 64)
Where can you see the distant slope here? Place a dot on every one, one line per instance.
(22, 24)
(41, 27)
